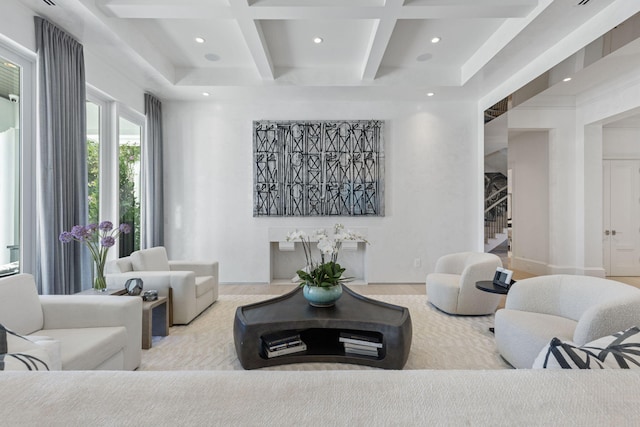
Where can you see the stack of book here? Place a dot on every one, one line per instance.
(282, 343)
(360, 344)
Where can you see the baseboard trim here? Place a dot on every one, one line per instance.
(529, 266)
(562, 269)
(540, 268)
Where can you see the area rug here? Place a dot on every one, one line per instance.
(440, 341)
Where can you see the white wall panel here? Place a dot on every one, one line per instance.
(430, 181)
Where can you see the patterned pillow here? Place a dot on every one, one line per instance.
(18, 353)
(620, 350)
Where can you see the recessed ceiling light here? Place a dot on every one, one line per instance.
(205, 94)
(566, 79)
(435, 40)
(430, 93)
(212, 57)
(199, 40)
(317, 40)
(424, 57)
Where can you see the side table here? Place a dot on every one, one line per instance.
(489, 286)
(155, 320)
(156, 315)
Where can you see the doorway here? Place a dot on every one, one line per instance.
(621, 217)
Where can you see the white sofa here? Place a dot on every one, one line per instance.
(452, 285)
(578, 309)
(93, 331)
(322, 398)
(193, 284)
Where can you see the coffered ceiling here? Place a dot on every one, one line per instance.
(381, 47)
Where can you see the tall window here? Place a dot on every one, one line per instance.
(115, 135)
(93, 161)
(9, 168)
(130, 137)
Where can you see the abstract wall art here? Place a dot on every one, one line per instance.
(318, 168)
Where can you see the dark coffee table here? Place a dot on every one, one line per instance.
(320, 329)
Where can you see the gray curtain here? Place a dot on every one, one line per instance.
(61, 161)
(152, 187)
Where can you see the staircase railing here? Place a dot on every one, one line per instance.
(495, 212)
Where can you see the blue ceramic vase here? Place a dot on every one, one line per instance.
(319, 296)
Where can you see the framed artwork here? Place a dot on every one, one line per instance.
(318, 168)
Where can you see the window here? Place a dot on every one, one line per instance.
(93, 161)
(130, 137)
(114, 140)
(10, 215)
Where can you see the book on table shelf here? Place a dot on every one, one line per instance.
(360, 353)
(286, 350)
(284, 345)
(361, 350)
(280, 338)
(360, 339)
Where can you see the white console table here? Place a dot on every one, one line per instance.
(288, 257)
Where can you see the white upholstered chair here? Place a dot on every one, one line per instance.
(452, 286)
(193, 284)
(93, 331)
(578, 309)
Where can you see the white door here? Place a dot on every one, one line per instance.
(621, 238)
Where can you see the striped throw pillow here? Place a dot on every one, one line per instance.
(17, 353)
(618, 351)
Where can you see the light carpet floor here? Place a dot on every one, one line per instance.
(440, 341)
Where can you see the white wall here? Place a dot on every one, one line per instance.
(578, 142)
(621, 143)
(430, 182)
(529, 164)
(496, 141)
(597, 107)
(564, 166)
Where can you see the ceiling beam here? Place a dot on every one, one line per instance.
(164, 9)
(381, 34)
(254, 38)
(204, 9)
(498, 40)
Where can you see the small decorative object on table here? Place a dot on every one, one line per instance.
(322, 282)
(150, 295)
(503, 277)
(98, 238)
(133, 286)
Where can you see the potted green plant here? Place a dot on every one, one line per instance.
(322, 281)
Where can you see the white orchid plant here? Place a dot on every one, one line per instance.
(327, 272)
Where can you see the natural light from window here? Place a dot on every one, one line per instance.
(130, 136)
(9, 168)
(93, 161)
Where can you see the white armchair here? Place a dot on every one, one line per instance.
(579, 309)
(452, 286)
(193, 284)
(94, 331)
